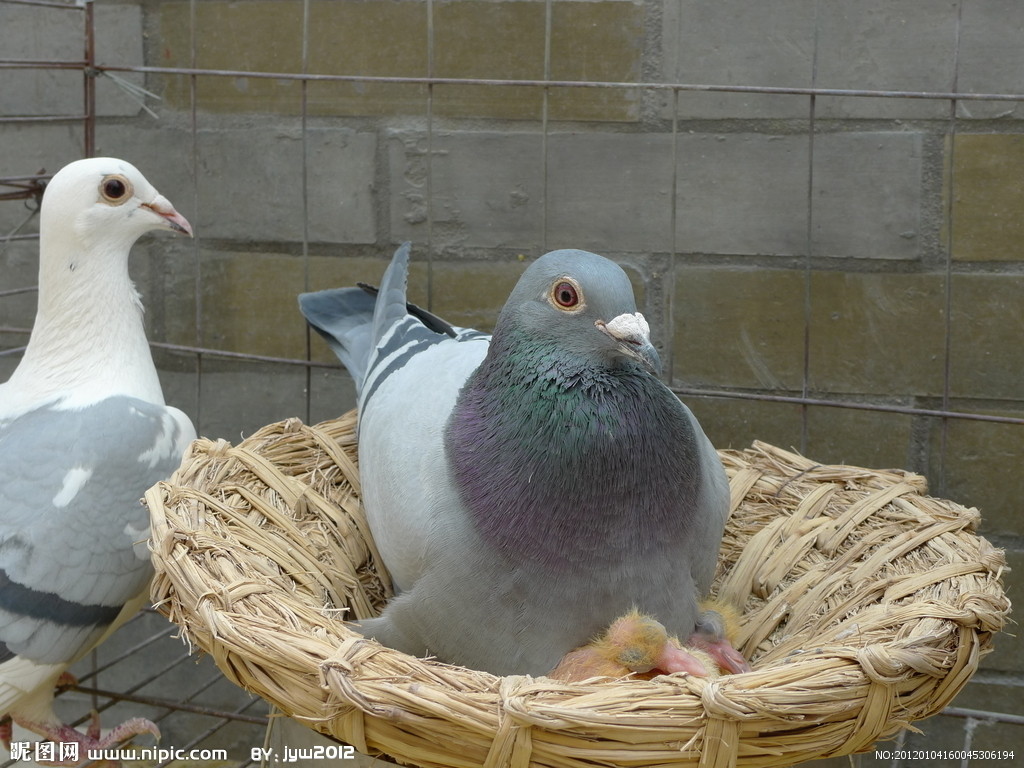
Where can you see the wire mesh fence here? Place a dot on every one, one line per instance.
(803, 198)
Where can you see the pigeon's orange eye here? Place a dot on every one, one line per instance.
(565, 294)
(115, 189)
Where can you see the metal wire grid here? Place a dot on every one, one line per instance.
(159, 642)
(201, 711)
(29, 188)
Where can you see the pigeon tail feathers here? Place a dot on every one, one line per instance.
(354, 321)
(391, 305)
(343, 316)
(375, 331)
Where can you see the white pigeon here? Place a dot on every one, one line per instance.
(526, 489)
(83, 433)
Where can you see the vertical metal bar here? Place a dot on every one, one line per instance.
(308, 372)
(970, 726)
(808, 280)
(89, 82)
(950, 169)
(430, 155)
(808, 263)
(197, 251)
(94, 662)
(545, 95)
(898, 748)
(669, 290)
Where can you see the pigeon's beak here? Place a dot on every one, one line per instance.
(632, 334)
(161, 206)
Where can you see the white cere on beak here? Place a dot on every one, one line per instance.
(633, 335)
(632, 327)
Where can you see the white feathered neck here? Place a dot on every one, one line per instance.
(88, 341)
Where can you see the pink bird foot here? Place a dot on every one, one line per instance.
(64, 682)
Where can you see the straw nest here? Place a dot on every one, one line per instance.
(866, 605)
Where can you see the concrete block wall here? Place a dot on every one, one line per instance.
(857, 248)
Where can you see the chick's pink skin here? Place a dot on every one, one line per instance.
(716, 625)
(633, 644)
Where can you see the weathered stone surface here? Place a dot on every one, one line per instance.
(608, 192)
(598, 41)
(987, 196)
(976, 466)
(249, 305)
(473, 39)
(503, 40)
(485, 189)
(19, 268)
(231, 399)
(879, 45)
(1003, 696)
(990, 57)
(742, 193)
(29, 149)
(738, 327)
(736, 193)
(240, 397)
(248, 300)
(246, 37)
(704, 44)
(266, 199)
(50, 33)
(860, 437)
(877, 333)
(987, 343)
(867, 195)
(738, 423)
(471, 294)
(248, 185)
(886, 45)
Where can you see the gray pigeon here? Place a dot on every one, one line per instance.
(525, 489)
(83, 433)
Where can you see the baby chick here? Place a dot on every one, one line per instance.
(639, 645)
(716, 626)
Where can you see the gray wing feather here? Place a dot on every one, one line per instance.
(706, 536)
(72, 526)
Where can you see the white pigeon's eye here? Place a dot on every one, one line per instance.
(115, 189)
(566, 294)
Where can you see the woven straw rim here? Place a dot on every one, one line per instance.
(866, 605)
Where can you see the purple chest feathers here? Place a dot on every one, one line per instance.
(579, 476)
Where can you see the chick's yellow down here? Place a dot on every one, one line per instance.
(639, 645)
